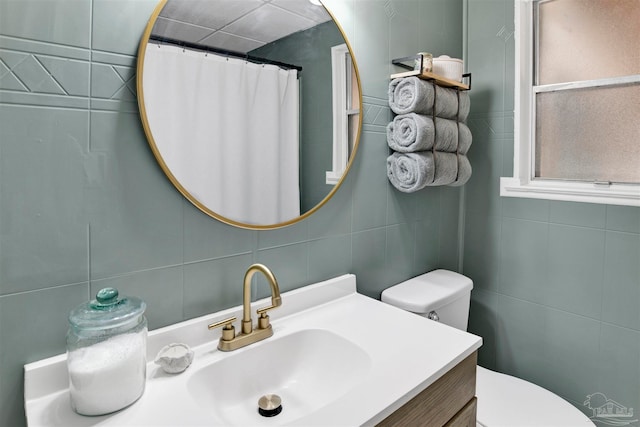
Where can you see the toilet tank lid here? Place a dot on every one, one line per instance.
(428, 291)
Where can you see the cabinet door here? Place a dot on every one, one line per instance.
(466, 417)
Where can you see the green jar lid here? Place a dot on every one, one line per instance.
(106, 311)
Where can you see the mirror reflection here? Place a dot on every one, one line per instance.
(252, 108)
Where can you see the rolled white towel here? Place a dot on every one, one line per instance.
(464, 138)
(410, 95)
(413, 95)
(464, 171)
(410, 172)
(413, 132)
(445, 168)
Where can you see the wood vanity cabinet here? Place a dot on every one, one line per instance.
(448, 402)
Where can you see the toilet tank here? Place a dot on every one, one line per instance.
(441, 291)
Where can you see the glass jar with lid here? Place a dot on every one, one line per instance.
(106, 353)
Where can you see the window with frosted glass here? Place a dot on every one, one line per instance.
(590, 134)
(587, 104)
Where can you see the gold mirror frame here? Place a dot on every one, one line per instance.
(143, 116)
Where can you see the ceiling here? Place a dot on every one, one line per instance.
(236, 25)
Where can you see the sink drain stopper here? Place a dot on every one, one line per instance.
(269, 405)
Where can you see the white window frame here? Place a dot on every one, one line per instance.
(341, 78)
(522, 183)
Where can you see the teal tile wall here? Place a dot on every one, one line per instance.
(83, 203)
(556, 285)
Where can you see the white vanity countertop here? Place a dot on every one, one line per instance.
(407, 354)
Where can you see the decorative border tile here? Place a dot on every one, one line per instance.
(51, 75)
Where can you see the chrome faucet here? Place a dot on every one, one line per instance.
(229, 341)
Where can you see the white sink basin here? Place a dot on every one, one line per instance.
(306, 369)
(336, 358)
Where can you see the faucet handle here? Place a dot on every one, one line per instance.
(275, 302)
(228, 330)
(263, 318)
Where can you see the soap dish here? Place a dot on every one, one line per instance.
(174, 358)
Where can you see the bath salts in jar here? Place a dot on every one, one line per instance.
(106, 353)
(423, 62)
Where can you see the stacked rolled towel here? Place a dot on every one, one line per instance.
(429, 137)
(464, 171)
(410, 172)
(416, 132)
(413, 95)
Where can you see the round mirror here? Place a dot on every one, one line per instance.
(251, 108)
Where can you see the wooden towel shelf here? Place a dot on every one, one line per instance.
(441, 81)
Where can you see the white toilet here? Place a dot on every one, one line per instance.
(503, 400)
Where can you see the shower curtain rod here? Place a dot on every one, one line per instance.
(223, 52)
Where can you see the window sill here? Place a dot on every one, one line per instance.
(571, 192)
(333, 177)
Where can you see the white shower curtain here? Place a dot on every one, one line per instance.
(227, 130)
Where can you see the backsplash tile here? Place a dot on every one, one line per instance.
(615, 376)
(575, 262)
(483, 188)
(34, 46)
(113, 82)
(162, 289)
(43, 100)
(334, 218)
(295, 233)
(375, 116)
(128, 231)
(521, 208)
(449, 247)
(572, 352)
(483, 322)
(490, 43)
(33, 75)
(371, 182)
(60, 76)
(400, 251)
(369, 261)
(482, 251)
(288, 263)
(405, 40)
(580, 214)
(126, 18)
(621, 294)
(427, 255)
(203, 237)
(402, 207)
(43, 222)
(40, 74)
(524, 267)
(439, 27)
(372, 38)
(329, 257)
(428, 204)
(42, 20)
(211, 286)
(623, 218)
(520, 331)
(70, 75)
